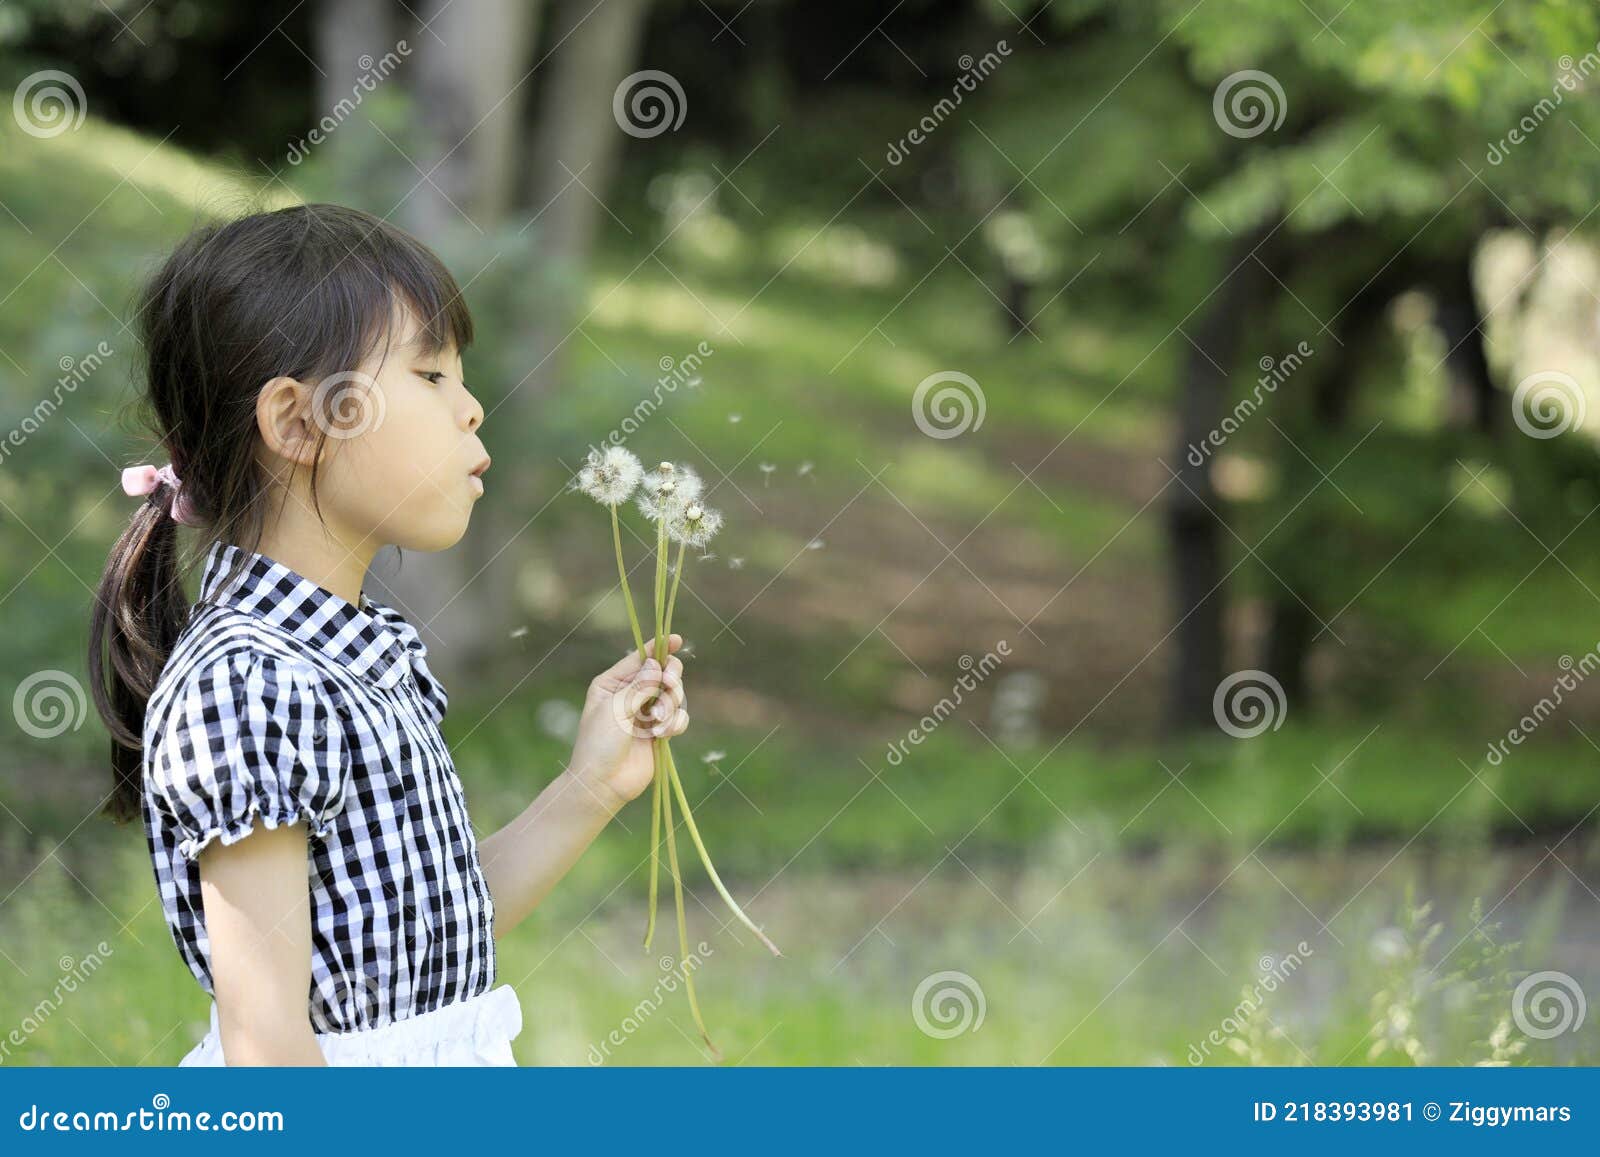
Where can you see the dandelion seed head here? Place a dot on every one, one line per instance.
(651, 507)
(668, 488)
(694, 525)
(611, 477)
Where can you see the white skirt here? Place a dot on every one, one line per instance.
(474, 1032)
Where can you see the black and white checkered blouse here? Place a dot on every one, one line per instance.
(281, 703)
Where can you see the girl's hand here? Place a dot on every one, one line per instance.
(628, 707)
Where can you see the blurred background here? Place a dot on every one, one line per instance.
(1158, 446)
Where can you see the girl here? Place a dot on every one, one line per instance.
(310, 839)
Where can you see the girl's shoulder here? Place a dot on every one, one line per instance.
(244, 728)
(225, 653)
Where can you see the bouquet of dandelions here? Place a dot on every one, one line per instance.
(669, 496)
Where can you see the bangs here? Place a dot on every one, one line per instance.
(421, 309)
(370, 288)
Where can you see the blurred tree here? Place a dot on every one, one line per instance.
(472, 67)
(346, 32)
(576, 142)
(1335, 155)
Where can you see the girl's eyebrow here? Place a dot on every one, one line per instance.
(420, 344)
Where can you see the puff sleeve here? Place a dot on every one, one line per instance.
(251, 739)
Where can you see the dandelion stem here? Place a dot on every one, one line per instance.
(627, 595)
(661, 592)
(705, 858)
(683, 927)
(659, 792)
(656, 802)
(672, 599)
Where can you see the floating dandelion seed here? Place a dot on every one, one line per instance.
(735, 418)
(766, 474)
(519, 633)
(713, 757)
(609, 477)
(708, 558)
(693, 383)
(558, 718)
(814, 544)
(805, 469)
(736, 563)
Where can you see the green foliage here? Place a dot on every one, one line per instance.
(1092, 172)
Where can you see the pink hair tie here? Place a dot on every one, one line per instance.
(140, 480)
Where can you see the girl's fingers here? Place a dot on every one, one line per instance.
(676, 726)
(622, 670)
(638, 699)
(650, 701)
(674, 696)
(642, 691)
(629, 665)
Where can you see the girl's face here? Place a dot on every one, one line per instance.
(402, 463)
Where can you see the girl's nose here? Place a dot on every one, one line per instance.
(474, 413)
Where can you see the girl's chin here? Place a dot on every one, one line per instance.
(433, 538)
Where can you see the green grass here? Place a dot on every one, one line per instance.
(871, 874)
(1082, 955)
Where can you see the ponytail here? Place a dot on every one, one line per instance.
(139, 610)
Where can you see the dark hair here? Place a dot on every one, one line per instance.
(304, 292)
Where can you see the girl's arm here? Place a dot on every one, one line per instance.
(612, 762)
(258, 920)
(523, 860)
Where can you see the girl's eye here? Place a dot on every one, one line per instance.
(434, 376)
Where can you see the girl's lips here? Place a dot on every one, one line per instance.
(477, 483)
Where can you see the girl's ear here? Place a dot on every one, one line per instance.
(284, 420)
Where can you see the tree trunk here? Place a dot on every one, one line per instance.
(1290, 629)
(1015, 296)
(345, 32)
(469, 75)
(1194, 507)
(1474, 401)
(575, 146)
(1300, 553)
